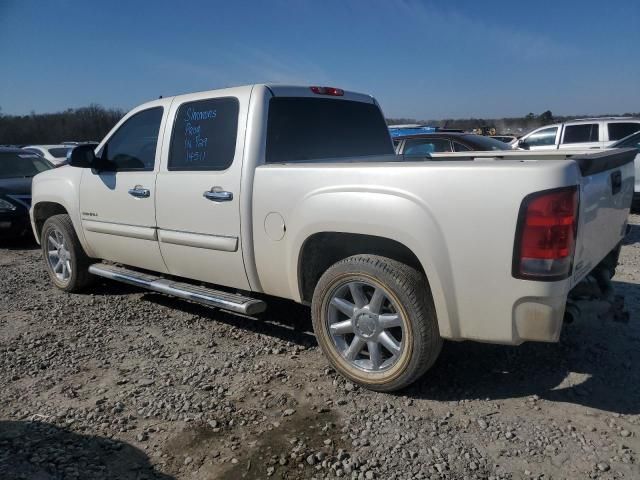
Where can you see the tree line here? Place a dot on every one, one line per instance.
(93, 123)
(74, 124)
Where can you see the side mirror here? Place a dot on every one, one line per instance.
(82, 156)
(523, 144)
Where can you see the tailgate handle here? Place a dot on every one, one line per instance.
(616, 182)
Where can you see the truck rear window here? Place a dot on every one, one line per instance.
(301, 129)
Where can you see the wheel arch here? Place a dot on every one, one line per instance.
(44, 210)
(57, 192)
(322, 249)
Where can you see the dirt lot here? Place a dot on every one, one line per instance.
(119, 383)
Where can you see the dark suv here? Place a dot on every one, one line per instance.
(17, 169)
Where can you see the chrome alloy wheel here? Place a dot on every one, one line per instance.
(365, 326)
(58, 255)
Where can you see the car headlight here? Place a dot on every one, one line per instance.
(6, 206)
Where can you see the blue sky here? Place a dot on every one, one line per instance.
(421, 59)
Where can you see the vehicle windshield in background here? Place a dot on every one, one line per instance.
(302, 129)
(14, 165)
(486, 143)
(60, 152)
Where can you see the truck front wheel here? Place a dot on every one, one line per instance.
(66, 262)
(375, 321)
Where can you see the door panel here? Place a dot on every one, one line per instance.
(117, 204)
(212, 242)
(198, 188)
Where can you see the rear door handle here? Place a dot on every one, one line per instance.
(140, 192)
(218, 195)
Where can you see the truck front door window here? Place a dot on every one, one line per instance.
(546, 136)
(133, 146)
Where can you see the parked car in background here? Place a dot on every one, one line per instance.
(84, 142)
(56, 154)
(295, 192)
(17, 169)
(633, 141)
(427, 143)
(510, 139)
(409, 129)
(582, 133)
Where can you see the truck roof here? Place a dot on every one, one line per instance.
(283, 90)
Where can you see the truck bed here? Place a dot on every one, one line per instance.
(459, 218)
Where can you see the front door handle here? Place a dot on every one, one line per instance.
(218, 195)
(140, 192)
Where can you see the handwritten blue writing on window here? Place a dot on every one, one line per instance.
(195, 142)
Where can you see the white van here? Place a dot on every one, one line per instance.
(582, 133)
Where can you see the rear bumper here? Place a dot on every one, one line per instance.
(538, 319)
(535, 313)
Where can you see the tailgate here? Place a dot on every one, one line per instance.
(606, 191)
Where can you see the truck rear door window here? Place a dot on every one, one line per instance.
(619, 130)
(302, 129)
(581, 133)
(204, 135)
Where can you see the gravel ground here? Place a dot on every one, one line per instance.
(120, 383)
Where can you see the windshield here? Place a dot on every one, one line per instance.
(485, 143)
(60, 152)
(13, 164)
(632, 140)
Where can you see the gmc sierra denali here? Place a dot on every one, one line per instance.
(295, 192)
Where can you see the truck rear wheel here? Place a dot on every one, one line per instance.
(67, 263)
(375, 321)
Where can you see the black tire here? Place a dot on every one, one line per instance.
(79, 277)
(407, 289)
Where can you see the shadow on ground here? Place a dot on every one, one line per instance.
(42, 451)
(286, 320)
(605, 353)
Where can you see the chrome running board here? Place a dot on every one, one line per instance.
(207, 296)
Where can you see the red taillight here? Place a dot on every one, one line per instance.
(546, 235)
(335, 92)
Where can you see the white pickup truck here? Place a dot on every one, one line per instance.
(227, 196)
